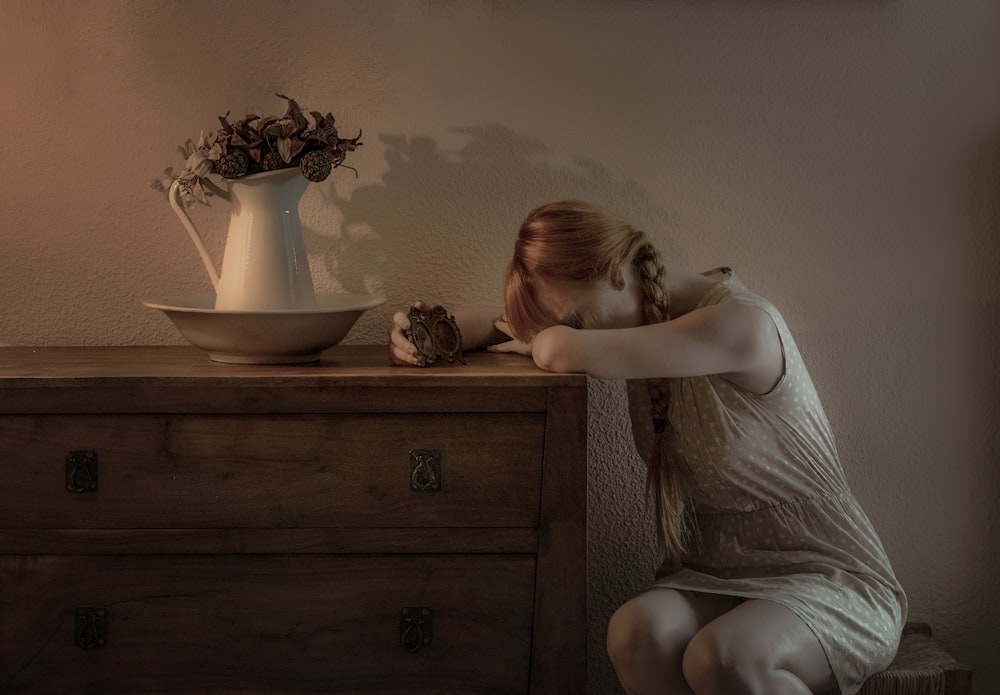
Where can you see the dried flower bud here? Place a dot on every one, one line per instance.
(271, 160)
(233, 164)
(316, 165)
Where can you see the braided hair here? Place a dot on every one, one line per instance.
(574, 241)
(664, 474)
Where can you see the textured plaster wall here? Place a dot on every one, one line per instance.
(842, 156)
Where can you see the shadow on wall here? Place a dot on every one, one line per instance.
(443, 222)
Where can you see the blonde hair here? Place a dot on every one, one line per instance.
(575, 241)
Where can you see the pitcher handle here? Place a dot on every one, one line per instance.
(178, 206)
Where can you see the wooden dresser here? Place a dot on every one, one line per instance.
(170, 524)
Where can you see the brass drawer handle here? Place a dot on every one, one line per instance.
(91, 628)
(425, 470)
(416, 627)
(81, 471)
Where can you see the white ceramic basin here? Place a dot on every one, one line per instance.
(265, 337)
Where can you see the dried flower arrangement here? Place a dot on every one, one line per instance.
(256, 144)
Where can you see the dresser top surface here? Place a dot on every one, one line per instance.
(40, 367)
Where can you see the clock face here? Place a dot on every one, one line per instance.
(446, 336)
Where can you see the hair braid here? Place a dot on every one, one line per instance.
(652, 276)
(664, 478)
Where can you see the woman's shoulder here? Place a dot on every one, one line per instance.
(728, 287)
(757, 327)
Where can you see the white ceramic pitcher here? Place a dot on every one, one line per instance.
(265, 266)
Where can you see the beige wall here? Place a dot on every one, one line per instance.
(842, 156)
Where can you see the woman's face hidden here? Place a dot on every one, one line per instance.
(600, 304)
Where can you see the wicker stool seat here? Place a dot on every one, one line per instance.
(921, 667)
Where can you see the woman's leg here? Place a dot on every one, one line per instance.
(647, 637)
(756, 648)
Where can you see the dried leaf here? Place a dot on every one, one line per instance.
(291, 136)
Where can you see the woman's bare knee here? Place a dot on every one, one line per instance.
(648, 635)
(639, 644)
(713, 664)
(759, 647)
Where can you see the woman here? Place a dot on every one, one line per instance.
(774, 580)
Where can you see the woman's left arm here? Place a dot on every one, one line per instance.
(732, 338)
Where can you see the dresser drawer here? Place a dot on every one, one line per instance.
(257, 471)
(235, 624)
(172, 525)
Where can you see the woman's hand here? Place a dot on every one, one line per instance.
(480, 328)
(401, 351)
(513, 344)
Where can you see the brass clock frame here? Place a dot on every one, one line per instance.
(435, 335)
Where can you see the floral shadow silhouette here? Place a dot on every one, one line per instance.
(442, 222)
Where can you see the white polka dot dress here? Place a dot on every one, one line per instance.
(775, 518)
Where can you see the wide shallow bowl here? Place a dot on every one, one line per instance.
(265, 337)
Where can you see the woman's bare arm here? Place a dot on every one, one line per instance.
(732, 339)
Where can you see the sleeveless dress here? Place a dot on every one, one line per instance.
(773, 515)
